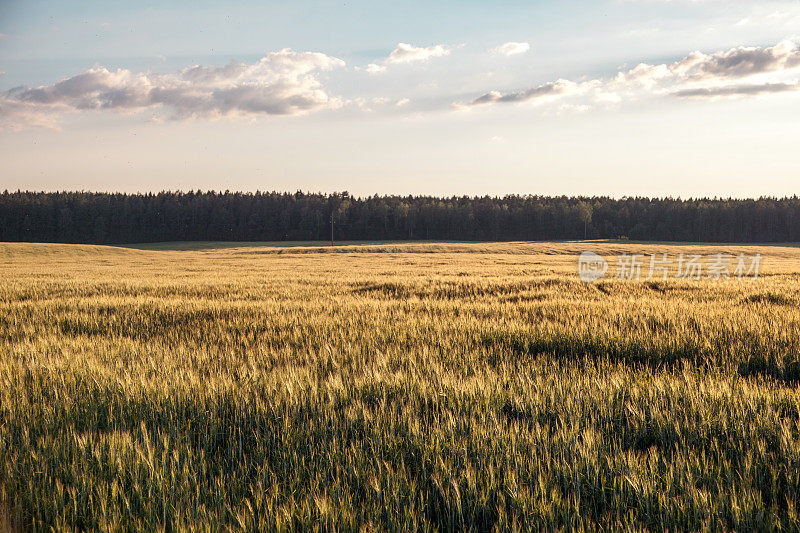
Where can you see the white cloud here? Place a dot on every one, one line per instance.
(607, 97)
(738, 62)
(17, 116)
(406, 53)
(374, 68)
(402, 102)
(550, 90)
(697, 75)
(511, 48)
(643, 74)
(280, 83)
(369, 105)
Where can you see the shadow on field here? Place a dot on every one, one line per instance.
(763, 364)
(787, 370)
(612, 350)
(452, 290)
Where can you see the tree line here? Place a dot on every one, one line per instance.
(115, 218)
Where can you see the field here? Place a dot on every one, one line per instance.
(394, 387)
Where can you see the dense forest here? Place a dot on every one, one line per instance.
(101, 218)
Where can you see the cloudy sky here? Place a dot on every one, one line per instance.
(621, 97)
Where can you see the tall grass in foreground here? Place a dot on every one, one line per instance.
(385, 388)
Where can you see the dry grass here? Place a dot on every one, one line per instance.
(394, 386)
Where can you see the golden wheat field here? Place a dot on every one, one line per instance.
(394, 387)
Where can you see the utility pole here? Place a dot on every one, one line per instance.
(331, 228)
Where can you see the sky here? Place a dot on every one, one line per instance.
(681, 98)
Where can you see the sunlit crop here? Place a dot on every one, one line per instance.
(400, 387)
